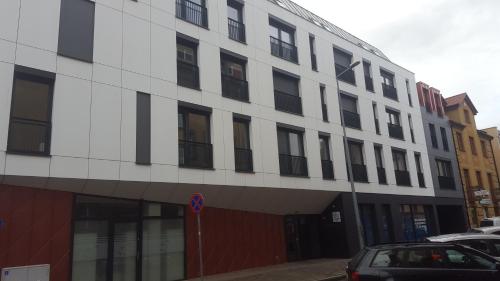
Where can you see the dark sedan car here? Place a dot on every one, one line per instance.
(422, 262)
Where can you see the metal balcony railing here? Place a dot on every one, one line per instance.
(234, 88)
(195, 154)
(291, 165)
(243, 159)
(188, 75)
(327, 168)
(382, 177)
(402, 178)
(395, 131)
(287, 102)
(351, 119)
(236, 30)
(348, 76)
(359, 171)
(389, 91)
(446, 182)
(369, 83)
(283, 50)
(192, 12)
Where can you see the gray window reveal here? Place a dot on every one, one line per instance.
(143, 131)
(76, 29)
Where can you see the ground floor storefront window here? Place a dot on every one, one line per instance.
(126, 240)
(416, 222)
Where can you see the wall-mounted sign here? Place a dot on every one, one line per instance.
(482, 192)
(336, 217)
(485, 202)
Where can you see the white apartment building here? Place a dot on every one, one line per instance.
(113, 112)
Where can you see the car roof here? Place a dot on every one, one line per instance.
(461, 236)
(408, 245)
(488, 228)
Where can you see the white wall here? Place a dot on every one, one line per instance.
(134, 50)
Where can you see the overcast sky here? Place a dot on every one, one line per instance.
(452, 45)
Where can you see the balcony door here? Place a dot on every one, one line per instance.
(291, 152)
(195, 149)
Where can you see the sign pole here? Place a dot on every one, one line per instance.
(199, 246)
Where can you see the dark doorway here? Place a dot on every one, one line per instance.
(302, 237)
(451, 219)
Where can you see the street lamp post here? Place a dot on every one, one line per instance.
(347, 153)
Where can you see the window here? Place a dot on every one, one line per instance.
(324, 109)
(350, 111)
(445, 174)
(195, 148)
(467, 179)
(326, 162)
(357, 161)
(444, 139)
(375, 117)
(233, 75)
(479, 179)
(388, 87)
(490, 180)
(460, 142)
(432, 130)
(410, 122)
(400, 167)
(193, 11)
(472, 146)
(143, 129)
(291, 152)
(483, 149)
(387, 225)
(342, 63)
(31, 111)
(76, 30)
(420, 173)
(459, 259)
(416, 221)
(242, 151)
(408, 90)
(382, 178)
(369, 223)
(236, 27)
(282, 41)
(312, 50)
(187, 64)
(368, 76)
(286, 93)
(467, 116)
(394, 125)
(427, 98)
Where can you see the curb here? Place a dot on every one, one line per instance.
(337, 277)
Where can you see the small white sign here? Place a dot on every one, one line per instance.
(485, 202)
(336, 217)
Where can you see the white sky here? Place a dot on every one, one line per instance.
(452, 45)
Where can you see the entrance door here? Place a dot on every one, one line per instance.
(124, 247)
(292, 238)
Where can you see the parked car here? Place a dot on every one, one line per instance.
(486, 243)
(494, 221)
(487, 230)
(422, 262)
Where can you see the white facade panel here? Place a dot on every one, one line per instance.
(39, 24)
(6, 73)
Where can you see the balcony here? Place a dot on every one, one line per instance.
(382, 177)
(243, 160)
(324, 111)
(421, 180)
(236, 30)
(359, 171)
(188, 75)
(351, 119)
(234, 88)
(192, 12)
(293, 165)
(288, 103)
(283, 50)
(446, 182)
(369, 83)
(395, 131)
(327, 168)
(402, 178)
(389, 91)
(195, 155)
(314, 63)
(348, 76)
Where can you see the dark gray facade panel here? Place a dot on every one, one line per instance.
(76, 29)
(143, 129)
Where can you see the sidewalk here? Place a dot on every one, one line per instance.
(311, 270)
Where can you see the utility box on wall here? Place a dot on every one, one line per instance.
(39, 272)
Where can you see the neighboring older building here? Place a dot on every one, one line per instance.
(475, 158)
(495, 145)
(451, 213)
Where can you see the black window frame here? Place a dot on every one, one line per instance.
(243, 151)
(286, 101)
(379, 163)
(291, 31)
(433, 134)
(412, 132)
(288, 151)
(324, 106)
(444, 139)
(236, 27)
(312, 51)
(36, 76)
(184, 111)
(326, 164)
(375, 118)
(181, 7)
(354, 118)
(233, 87)
(347, 76)
(408, 90)
(367, 71)
(181, 63)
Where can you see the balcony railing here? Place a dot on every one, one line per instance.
(236, 30)
(446, 182)
(324, 111)
(327, 168)
(348, 76)
(402, 178)
(192, 12)
(351, 119)
(369, 83)
(314, 62)
(195, 154)
(389, 91)
(395, 131)
(286, 102)
(293, 165)
(283, 50)
(243, 160)
(29, 136)
(421, 179)
(359, 171)
(382, 177)
(188, 75)
(234, 88)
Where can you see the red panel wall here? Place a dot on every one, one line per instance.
(37, 229)
(234, 240)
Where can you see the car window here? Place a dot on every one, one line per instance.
(466, 260)
(388, 258)
(496, 247)
(424, 258)
(480, 245)
(496, 232)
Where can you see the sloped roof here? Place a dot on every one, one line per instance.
(460, 99)
(326, 25)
